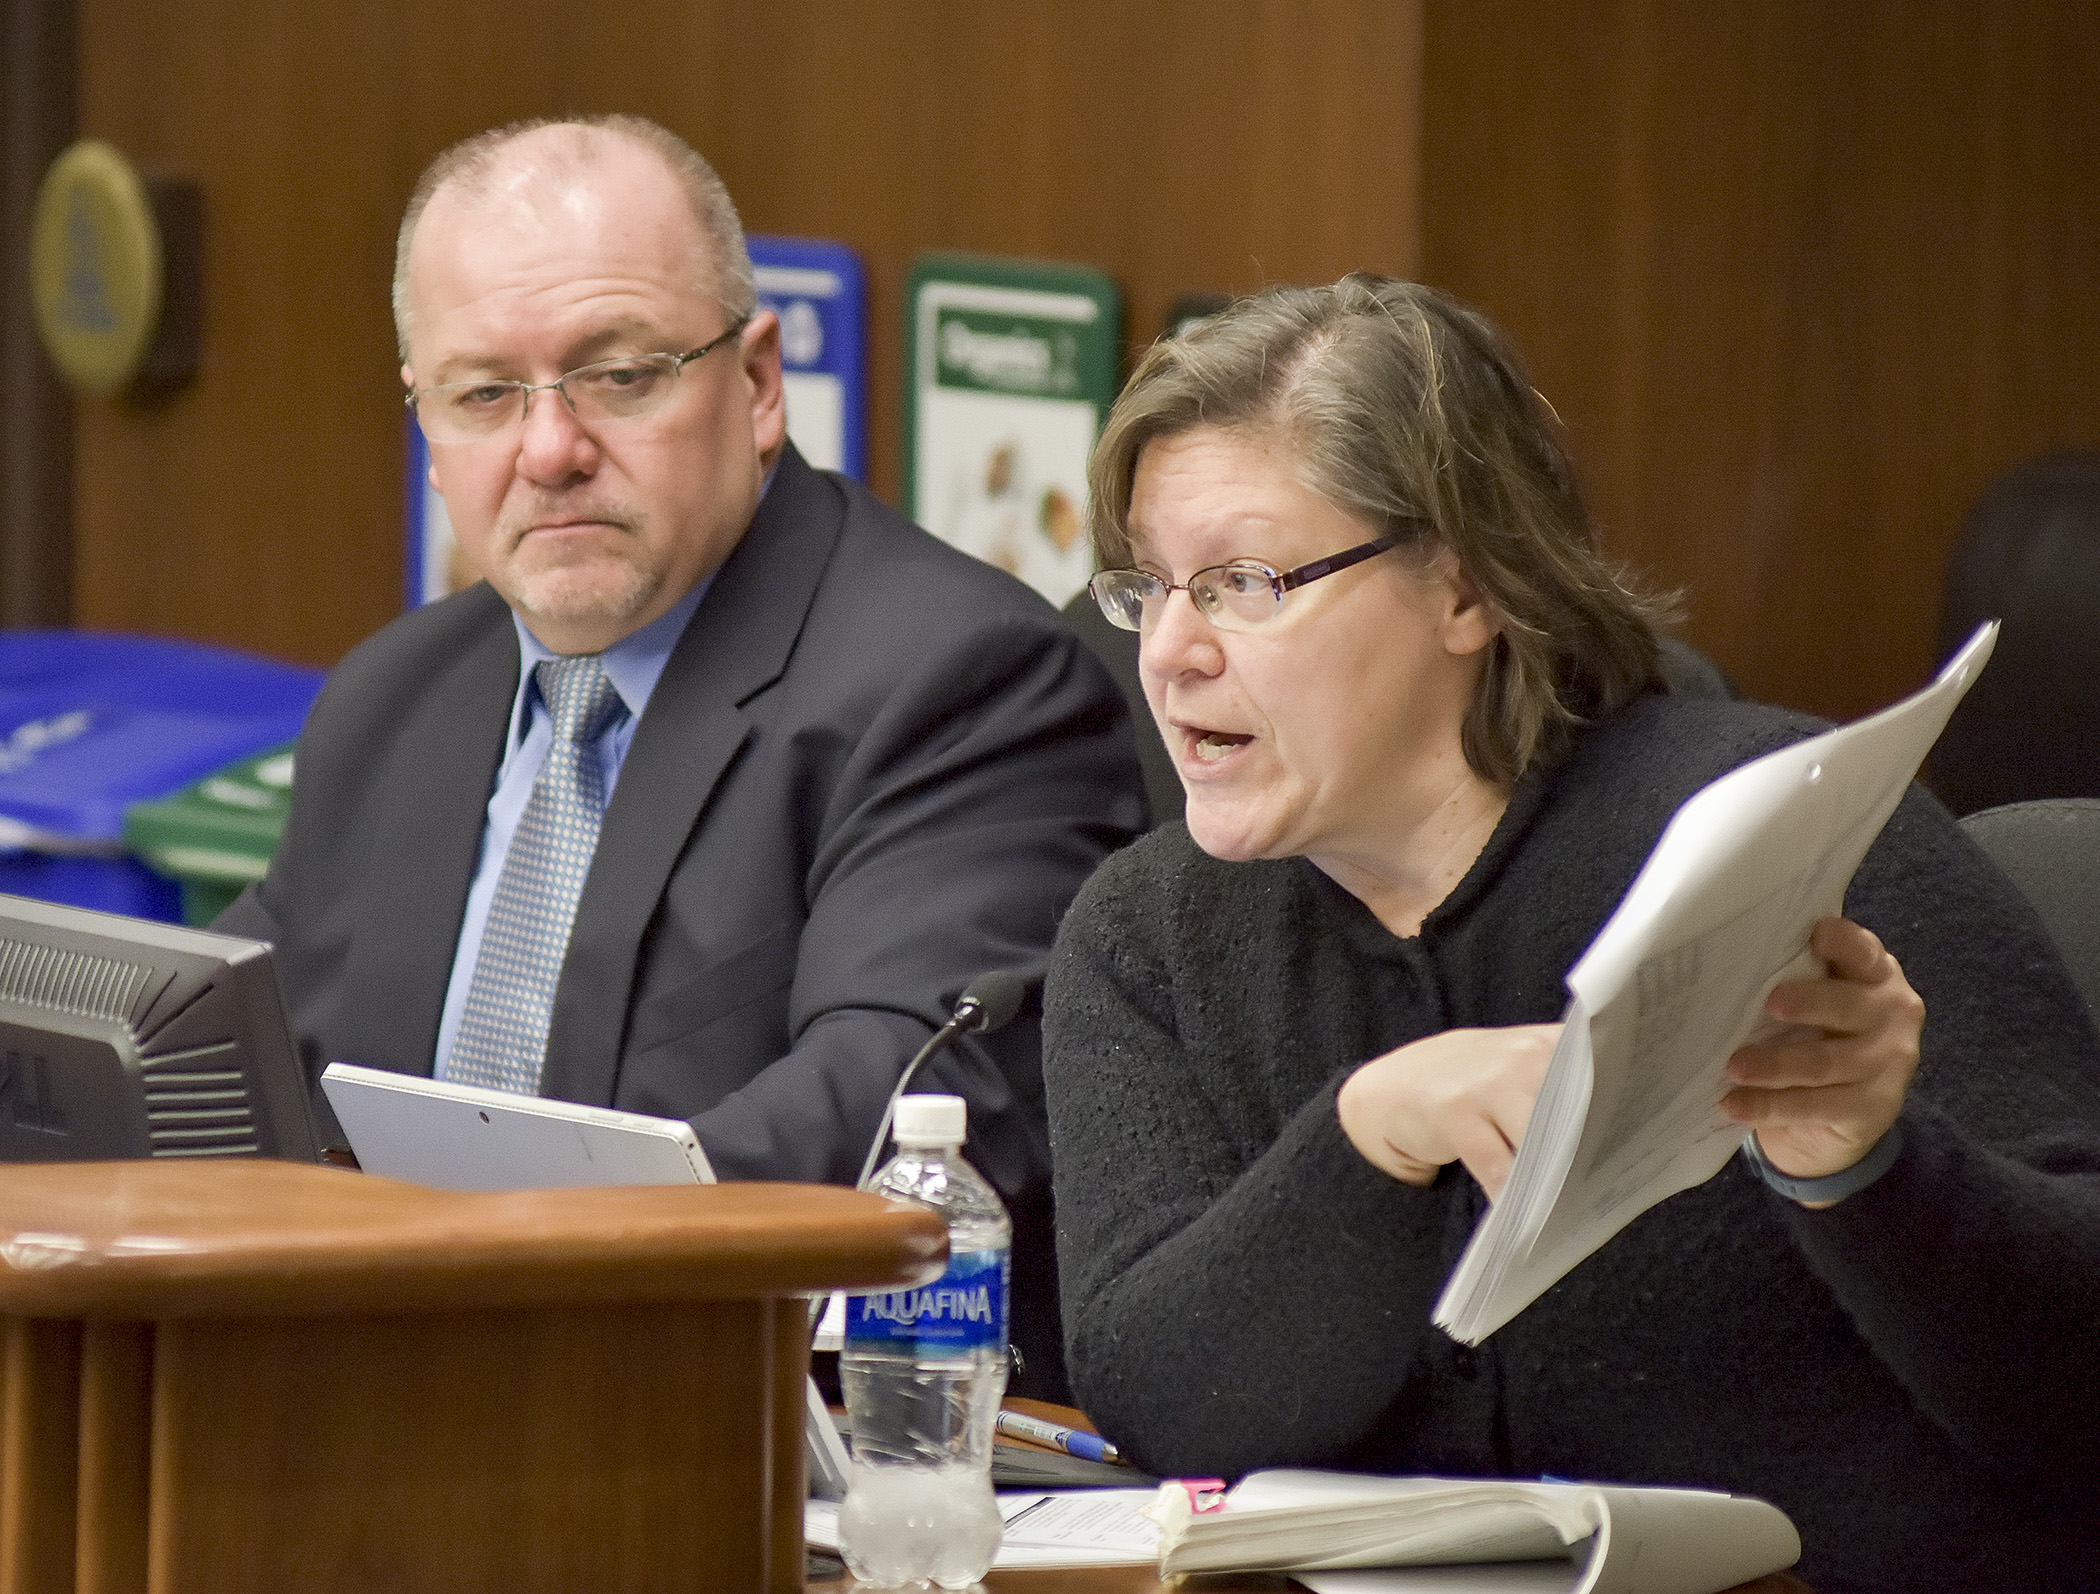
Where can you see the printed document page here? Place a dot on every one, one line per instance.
(1675, 982)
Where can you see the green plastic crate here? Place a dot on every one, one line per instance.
(216, 836)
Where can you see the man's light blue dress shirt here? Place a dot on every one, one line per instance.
(634, 663)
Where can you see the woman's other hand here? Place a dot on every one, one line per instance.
(1462, 1096)
(1821, 1097)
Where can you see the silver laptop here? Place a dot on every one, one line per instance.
(465, 1137)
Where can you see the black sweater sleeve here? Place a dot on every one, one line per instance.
(1972, 1268)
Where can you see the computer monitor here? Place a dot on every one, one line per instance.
(124, 1038)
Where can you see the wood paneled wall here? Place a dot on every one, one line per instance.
(1800, 276)
(1178, 145)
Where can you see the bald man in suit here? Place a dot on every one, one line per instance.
(840, 768)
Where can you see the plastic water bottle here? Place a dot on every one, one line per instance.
(924, 1370)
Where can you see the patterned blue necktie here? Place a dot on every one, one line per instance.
(502, 1037)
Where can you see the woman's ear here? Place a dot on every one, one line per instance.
(1467, 621)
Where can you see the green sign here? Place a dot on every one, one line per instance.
(1011, 366)
(216, 836)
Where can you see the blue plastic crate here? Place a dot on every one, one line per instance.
(90, 724)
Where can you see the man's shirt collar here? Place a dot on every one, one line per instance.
(633, 664)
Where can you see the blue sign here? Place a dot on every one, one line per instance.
(820, 294)
(435, 566)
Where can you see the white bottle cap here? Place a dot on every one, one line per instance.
(931, 1120)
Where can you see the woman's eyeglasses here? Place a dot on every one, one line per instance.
(1235, 596)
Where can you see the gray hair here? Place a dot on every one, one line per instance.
(1412, 413)
(468, 164)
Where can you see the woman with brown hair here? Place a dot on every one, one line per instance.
(1291, 1047)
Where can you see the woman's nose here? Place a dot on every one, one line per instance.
(1180, 639)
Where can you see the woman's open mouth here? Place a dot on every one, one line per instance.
(1210, 746)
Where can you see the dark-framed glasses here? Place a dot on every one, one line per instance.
(1234, 596)
(625, 389)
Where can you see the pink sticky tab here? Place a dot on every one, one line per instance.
(1205, 1494)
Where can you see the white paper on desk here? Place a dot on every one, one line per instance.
(1081, 1527)
(1046, 1529)
(1675, 981)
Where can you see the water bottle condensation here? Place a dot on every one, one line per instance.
(924, 1370)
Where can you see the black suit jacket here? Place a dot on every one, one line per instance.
(872, 769)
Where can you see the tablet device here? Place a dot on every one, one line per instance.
(466, 1137)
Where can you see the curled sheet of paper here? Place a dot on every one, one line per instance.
(1676, 980)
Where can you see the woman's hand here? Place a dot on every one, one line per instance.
(1462, 1096)
(1820, 1098)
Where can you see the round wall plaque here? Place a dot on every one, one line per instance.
(96, 258)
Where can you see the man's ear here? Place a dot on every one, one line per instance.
(758, 352)
(408, 380)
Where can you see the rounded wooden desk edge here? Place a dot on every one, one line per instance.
(265, 1238)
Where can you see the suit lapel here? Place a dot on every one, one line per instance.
(443, 768)
(739, 641)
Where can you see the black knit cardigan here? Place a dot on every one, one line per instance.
(1913, 1375)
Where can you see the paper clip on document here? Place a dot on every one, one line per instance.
(1205, 1494)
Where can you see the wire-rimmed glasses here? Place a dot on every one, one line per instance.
(625, 389)
(1235, 596)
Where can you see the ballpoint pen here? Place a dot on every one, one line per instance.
(1072, 1441)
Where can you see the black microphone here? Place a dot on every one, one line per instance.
(987, 1002)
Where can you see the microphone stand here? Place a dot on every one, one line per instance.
(969, 1018)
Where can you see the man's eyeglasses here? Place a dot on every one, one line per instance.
(610, 390)
(1234, 597)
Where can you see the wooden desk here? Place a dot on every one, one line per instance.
(262, 1378)
(1144, 1580)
